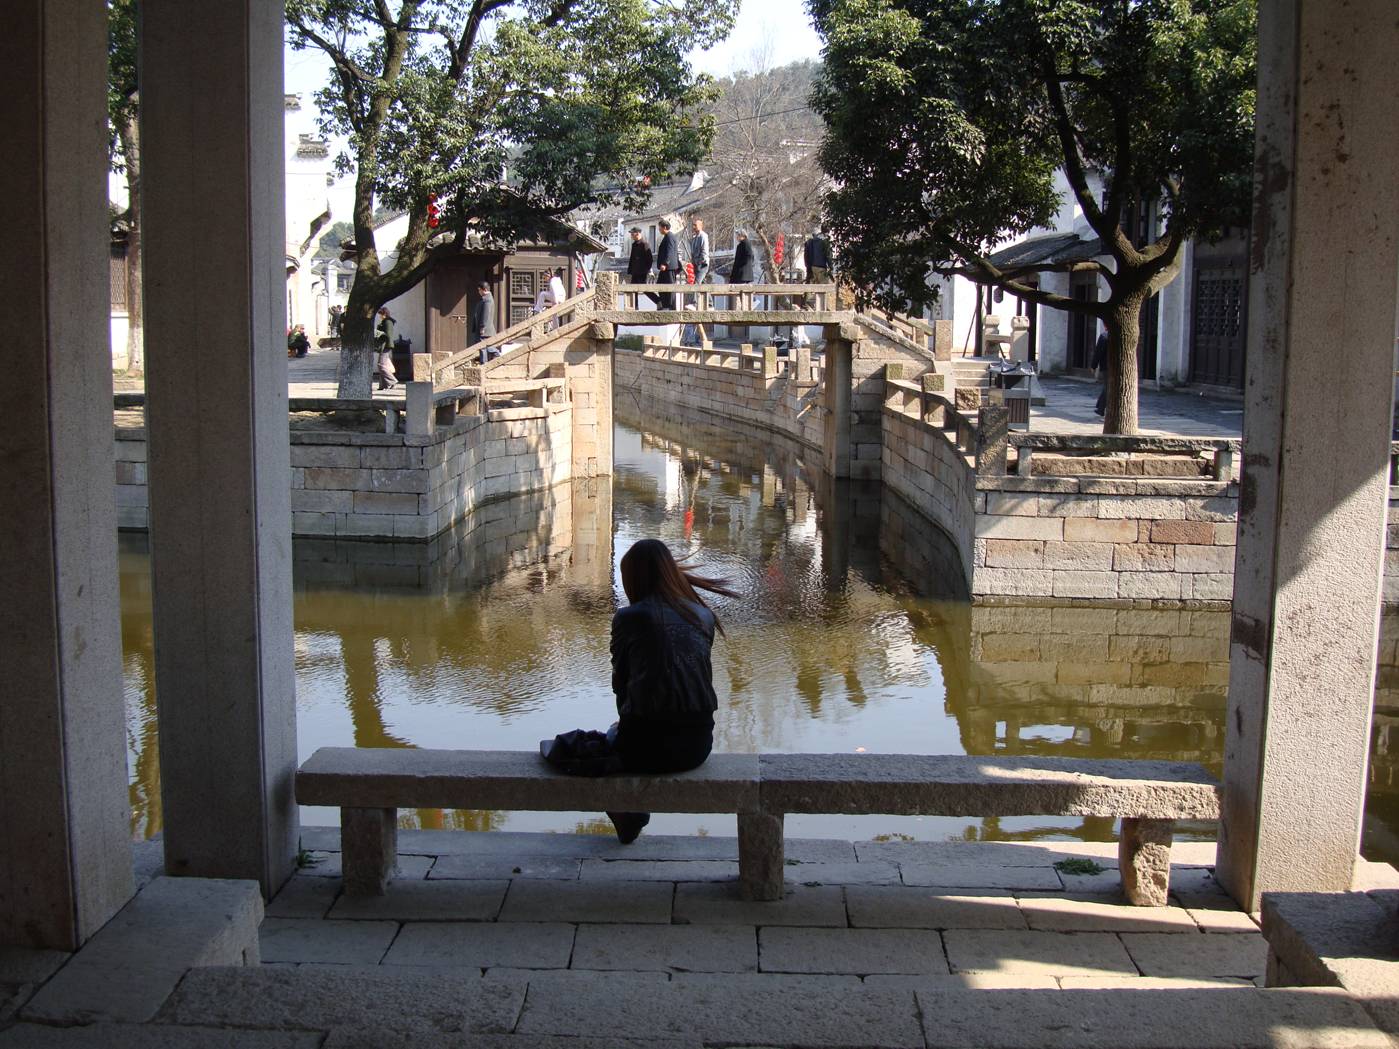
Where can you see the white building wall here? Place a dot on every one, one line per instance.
(1173, 343)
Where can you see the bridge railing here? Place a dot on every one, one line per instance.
(935, 409)
(763, 361)
(745, 298)
(533, 327)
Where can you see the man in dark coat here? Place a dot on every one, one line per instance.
(817, 256)
(742, 272)
(667, 263)
(483, 319)
(639, 265)
(1100, 370)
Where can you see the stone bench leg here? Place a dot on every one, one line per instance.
(368, 850)
(760, 855)
(1144, 861)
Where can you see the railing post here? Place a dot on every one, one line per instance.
(605, 291)
(1224, 464)
(418, 409)
(803, 363)
(992, 440)
(769, 362)
(1024, 465)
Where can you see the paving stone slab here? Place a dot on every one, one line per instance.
(591, 901)
(1107, 882)
(152, 1036)
(732, 1017)
(1149, 983)
(1242, 1018)
(980, 876)
(426, 901)
(579, 977)
(718, 903)
(905, 907)
(820, 850)
(1200, 954)
(659, 870)
(1222, 919)
(28, 965)
(304, 898)
(977, 981)
(519, 945)
(774, 983)
(1088, 914)
(131, 965)
(859, 951)
(667, 948)
(318, 998)
(330, 942)
(328, 865)
(475, 843)
(381, 1038)
(1037, 953)
(491, 868)
(871, 872)
(1001, 853)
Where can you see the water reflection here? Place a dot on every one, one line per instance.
(853, 632)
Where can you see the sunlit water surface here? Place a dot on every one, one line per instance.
(849, 634)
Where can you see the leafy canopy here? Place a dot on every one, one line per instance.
(946, 121)
(571, 101)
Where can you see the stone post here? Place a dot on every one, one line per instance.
(220, 474)
(942, 340)
(992, 440)
(839, 363)
(605, 291)
(1316, 447)
(418, 409)
(65, 859)
(769, 362)
(803, 363)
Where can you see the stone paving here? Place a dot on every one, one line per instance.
(541, 941)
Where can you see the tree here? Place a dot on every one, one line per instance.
(329, 245)
(510, 112)
(124, 154)
(948, 119)
(764, 151)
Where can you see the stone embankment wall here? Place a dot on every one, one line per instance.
(752, 388)
(931, 473)
(396, 486)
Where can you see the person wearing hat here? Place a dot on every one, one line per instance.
(742, 272)
(639, 265)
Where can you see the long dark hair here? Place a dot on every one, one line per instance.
(649, 570)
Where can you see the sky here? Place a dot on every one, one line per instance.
(770, 32)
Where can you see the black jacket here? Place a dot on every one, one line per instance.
(660, 661)
(668, 254)
(1100, 352)
(639, 265)
(742, 272)
(817, 253)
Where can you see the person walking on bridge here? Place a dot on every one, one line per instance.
(699, 250)
(384, 333)
(639, 264)
(483, 320)
(667, 263)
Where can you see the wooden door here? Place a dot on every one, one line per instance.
(449, 305)
(1219, 322)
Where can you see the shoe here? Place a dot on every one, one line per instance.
(629, 825)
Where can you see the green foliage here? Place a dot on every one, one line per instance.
(574, 101)
(331, 239)
(121, 75)
(948, 119)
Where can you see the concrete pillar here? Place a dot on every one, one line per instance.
(839, 360)
(220, 474)
(65, 858)
(1316, 446)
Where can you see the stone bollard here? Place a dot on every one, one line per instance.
(418, 409)
(942, 340)
(605, 291)
(422, 367)
(803, 363)
(992, 441)
(769, 362)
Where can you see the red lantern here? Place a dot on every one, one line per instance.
(777, 251)
(433, 211)
(689, 273)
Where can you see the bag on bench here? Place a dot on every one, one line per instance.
(583, 752)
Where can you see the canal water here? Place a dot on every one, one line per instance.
(851, 634)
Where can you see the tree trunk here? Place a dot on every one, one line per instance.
(1124, 333)
(355, 371)
(135, 310)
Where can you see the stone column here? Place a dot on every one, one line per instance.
(838, 363)
(65, 858)
(1316, 446)
(220, 471)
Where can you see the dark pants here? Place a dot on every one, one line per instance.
(665, 302)
(1102, 405)
(655, 747)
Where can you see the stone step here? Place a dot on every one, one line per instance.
(388, 1007)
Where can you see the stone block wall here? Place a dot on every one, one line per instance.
(395, 486)
(779, 403)
(1105, 538)
(871, 353)
(923, 466)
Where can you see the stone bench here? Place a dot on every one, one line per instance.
(369, 786)
(1148, 796)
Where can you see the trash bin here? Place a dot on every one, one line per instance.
(1012, 380)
